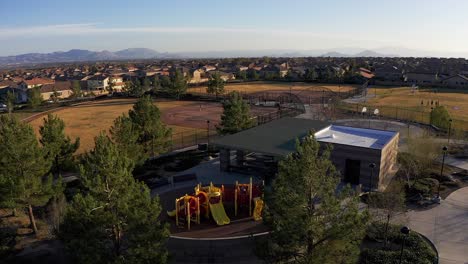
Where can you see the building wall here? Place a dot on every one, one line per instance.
(388, 162)
(62, 94)
(366, 156)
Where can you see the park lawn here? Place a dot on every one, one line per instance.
(403, 97)
(263, 87)
(88, 120)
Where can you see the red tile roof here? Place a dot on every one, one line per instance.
(39, 81)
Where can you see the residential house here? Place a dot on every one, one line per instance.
(198, 76)
(117, 82)
(60, 89)
(12, 87)
(456, 81)
(98, 84)
(422, 78)
(36, 82)
(388, 75)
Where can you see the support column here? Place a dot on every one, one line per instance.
(240, 157)
(224, 159)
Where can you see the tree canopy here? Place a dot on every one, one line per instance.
(58, 148)
(178, 84)
(310, 220)
(125, 135)
(116, 220)
(215, 84)
(34, 97)
(440, 117)
(236, 115)
(23, 168)
(154, 136)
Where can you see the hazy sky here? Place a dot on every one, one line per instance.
(178, 25)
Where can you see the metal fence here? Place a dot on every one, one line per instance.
(395, 113)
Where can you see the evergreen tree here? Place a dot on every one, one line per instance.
(242, 75)
(178, 84)
(311, 222)
(252, 74)
(58, 148)
(154, 136)
(125, 134)
(34, 97)
(236, 115)
(146, 84)
(136, 90)
(10, 102)
(22, 168)
(76, 90)
(116, 221)
(166, 82)
(215, 84)
(156, 83)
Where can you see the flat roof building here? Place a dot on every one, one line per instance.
(354, 149)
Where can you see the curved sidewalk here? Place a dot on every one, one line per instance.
(446, 226)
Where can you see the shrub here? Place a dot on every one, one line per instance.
(416, 251)
(425, 186)
(440, 117)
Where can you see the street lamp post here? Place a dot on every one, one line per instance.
(444, 150)
(405, 231)
(208, 130)
(449, 131)
(371, 166)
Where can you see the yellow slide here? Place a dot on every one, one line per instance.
(219, 214)
(171, 213)
(257, 213)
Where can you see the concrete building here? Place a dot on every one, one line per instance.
(354, 149)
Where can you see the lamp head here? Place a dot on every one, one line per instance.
(405, 230)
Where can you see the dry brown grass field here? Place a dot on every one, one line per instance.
(87, 121)
(403, 97)
(280, 86)
(186, 118)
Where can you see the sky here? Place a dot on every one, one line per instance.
(195, 26)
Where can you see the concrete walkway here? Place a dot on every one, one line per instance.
(446, 226)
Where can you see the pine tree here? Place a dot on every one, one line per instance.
(215, 84)
(178, 85)
(311, 222)
(34, 97)
(23, 168)
(236, 115)
(10, 102)
(125, 134)
(153, 134)
(58, 148)
(116, 221)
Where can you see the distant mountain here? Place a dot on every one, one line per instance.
(83, 55)
(371, 53)
(334, 54)
(76, 55)
(364, 53)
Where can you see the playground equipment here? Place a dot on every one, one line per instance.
(207, 199)
(188, 207)
(257, 213)
(243, 195)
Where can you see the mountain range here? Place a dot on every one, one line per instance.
(80, 55)
(76, 55)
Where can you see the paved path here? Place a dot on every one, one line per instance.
(446, 226)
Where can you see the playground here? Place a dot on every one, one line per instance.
(214, 211)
